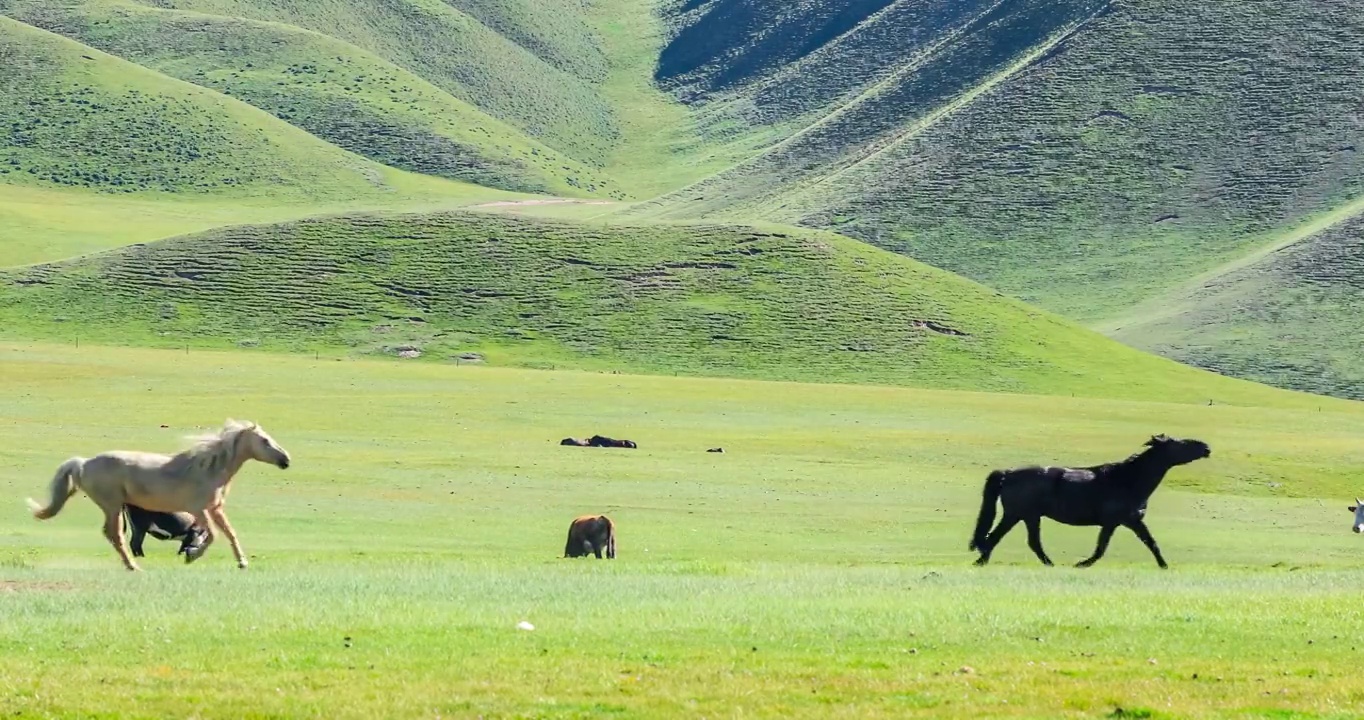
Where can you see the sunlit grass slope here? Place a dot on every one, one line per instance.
(47, 224)
(1082, 155)
(76, 117)
(697, 299)
(1291, 318)
(549, 94)
(330, 88)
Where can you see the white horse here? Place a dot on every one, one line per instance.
(1358, 510)
(194, 481)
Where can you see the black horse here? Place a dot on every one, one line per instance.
(1105, 495)
(603, 441)
(162, 526)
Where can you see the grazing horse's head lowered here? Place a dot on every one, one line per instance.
(1358, 510)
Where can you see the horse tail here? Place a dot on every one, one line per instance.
(610, 539)
(62, 488)
(990, 496)
(568, 546)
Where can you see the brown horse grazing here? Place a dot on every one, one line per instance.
(591, 534)
(574, 442)
(603, 441)
(1106, 495)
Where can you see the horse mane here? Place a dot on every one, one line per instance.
(1134, 457)
(211, 452)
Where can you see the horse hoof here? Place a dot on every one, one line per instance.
(241, 565)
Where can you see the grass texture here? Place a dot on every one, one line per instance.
(817, 568)
(772, 302)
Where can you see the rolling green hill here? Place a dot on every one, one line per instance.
(1100, 158)
(1290, 317)
(710, 299)
(100, 152)
(75, 117)
(331, 88)
(1058, 152)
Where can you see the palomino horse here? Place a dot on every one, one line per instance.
(194, 481)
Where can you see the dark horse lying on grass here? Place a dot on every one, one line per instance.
(1105, 495)
(602, 441)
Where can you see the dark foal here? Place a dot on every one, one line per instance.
(162, 526)
(1105, 495)
(603, 441)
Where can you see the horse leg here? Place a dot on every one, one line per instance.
(1006, 524)
(1034, 525)
(1144, 534)
(113, 531)
(1105, 534)
(194, 553)
(139, 535)
(219, 516)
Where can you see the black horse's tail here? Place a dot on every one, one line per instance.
(990, 496)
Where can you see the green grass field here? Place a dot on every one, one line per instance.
(263, 209)
(817, 568)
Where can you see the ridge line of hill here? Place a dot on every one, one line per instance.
(870, 90)
(740, 300)
(825, 118)
(877, 146)
(880, 146)
(1173, 302)
(454, 139)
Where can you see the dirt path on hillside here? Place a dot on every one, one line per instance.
(545, 201)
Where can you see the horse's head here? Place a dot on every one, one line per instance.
(1176, 451)
(1358, 510)
(260, 446)
(193, 539)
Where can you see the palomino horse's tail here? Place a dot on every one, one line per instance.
(610, 539)
(63, 487)
(990, 496)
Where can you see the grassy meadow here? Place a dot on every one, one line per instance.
(817, 568)
(253, 208)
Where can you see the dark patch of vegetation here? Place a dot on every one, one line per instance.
(733, 41)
